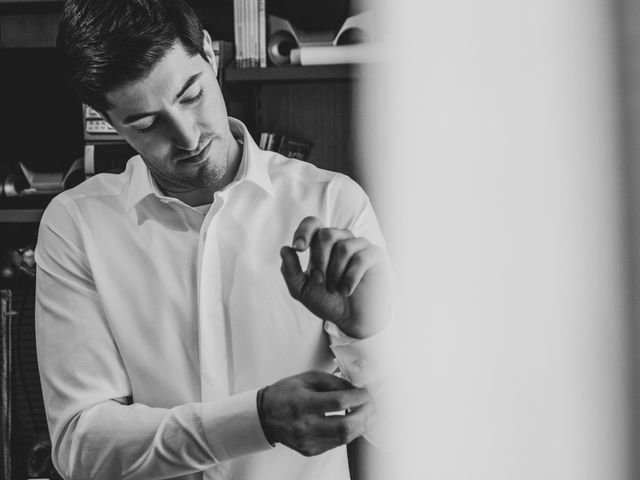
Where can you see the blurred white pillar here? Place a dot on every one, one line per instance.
(492, 138)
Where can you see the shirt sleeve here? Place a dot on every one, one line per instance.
(350, 207)
(365, 362)
(361, 361)
(81, 372)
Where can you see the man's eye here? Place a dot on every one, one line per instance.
(194, 99)
(146, 126)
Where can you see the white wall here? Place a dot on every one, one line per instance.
(493, 138)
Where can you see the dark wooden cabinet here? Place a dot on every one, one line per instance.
(314, 103)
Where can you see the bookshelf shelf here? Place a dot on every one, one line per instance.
(21, 215)
(309, 73)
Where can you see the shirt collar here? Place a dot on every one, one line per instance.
(252, 168)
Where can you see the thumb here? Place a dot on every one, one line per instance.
(292, 272)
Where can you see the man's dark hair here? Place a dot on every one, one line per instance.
(106, 44)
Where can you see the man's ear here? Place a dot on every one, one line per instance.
(207, 47)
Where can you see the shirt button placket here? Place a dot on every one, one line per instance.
(212, 322)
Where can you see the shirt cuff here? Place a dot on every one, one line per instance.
(362, 361)
(232, 426)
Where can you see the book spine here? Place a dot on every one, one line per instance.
(247, 6)
(262, 32)
(274, 142)
(253, 22)
(237, 31)
(264, 136)
(245, 33)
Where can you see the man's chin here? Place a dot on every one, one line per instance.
(207, 175)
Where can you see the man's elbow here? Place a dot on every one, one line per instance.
(77, 452)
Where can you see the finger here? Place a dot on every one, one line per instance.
(325, 382)
(347, 428)
(333, 393)
(335, 401)
(321, 247)
(292, 272)
(305, 231)
(359, 264)
(313, 445)
(341, 253)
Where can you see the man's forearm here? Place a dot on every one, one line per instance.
(110, 440)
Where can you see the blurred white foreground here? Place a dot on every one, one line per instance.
(492, 144)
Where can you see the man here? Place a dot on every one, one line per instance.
(173, 340)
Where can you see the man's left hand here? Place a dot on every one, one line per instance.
(346, 281)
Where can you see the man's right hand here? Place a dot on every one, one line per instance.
(293, 412)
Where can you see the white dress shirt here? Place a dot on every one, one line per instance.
(187, 315)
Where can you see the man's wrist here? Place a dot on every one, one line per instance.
(365, 326)
(263, 423)
(361, 332)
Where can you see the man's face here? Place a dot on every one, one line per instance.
(176, 119)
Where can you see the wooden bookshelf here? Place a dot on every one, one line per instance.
(313, 103)
(310, 73)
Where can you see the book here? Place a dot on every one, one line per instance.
(262, 33)
(250, 33)
(237, 30)
(294, 148)
(285, 145)
(273, 142)
(264, 137)
(253, 34)
(245, 34)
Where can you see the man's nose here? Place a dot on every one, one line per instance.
(186, 134)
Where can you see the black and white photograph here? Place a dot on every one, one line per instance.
(319, 240)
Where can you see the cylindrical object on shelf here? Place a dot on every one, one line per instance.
(360, 53)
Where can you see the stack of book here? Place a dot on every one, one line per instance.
(250, 33)
(286, 145)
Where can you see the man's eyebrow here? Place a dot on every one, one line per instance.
(190, 81)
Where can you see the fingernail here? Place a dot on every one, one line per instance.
(298, 244)
(344, 291)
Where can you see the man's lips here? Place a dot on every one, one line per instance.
(197, 157)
